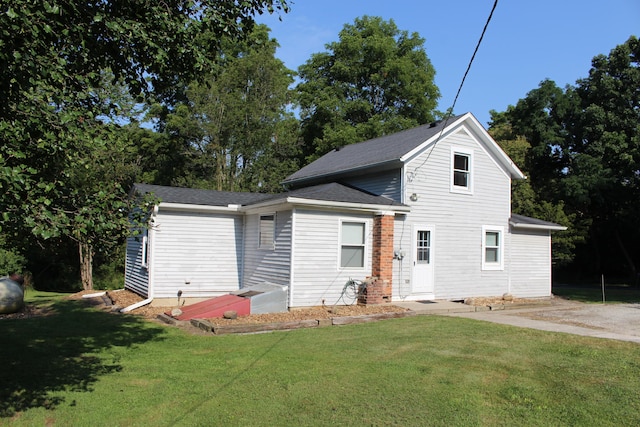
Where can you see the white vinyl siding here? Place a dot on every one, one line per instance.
(268, 266)
(317, 272)
(530, 261)
(136, 276)
(387, 184)
(458, 217)
(197, 253)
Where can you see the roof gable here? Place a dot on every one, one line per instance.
(391, 151)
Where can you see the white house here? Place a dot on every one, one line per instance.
(425, 212)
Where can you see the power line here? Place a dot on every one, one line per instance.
(464, 77)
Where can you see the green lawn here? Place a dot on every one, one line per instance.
(83, 367)
(613, 293)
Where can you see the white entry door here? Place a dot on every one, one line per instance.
(422, 258)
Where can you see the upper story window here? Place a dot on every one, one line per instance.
(461, 171)
(492, 248)
(267, 231)
(352, 244)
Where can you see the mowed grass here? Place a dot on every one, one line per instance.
(592, 293)
(84, 367)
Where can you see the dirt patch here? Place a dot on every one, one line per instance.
(28, 311)
(125, 298)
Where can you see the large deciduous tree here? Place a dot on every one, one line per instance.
(375, 80)
(54, 56)
(235, 128)
(585, 153)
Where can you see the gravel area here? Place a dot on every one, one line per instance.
(617, 318)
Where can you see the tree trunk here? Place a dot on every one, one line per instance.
(86, 265)
(632, 267)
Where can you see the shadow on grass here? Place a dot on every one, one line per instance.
(64, 351)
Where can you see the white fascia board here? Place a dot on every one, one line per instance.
(495, 148)
(537, 227)
(484, 135)
(297, 201)
(442, 134)
(199, 208)
(365, 207)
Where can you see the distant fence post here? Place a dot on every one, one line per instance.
(603, 299)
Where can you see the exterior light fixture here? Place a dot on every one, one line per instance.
(414, 197)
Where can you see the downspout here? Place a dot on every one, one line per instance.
(150, 263)
(292, 253)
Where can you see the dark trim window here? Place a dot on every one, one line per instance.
(461, 171)
(267, 231)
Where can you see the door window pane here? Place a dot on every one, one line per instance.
(423, 246)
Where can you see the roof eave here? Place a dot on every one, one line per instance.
(329, 204)
(549, 227)
(388, 164)
(199, 208)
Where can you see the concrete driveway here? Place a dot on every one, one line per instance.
(611, 321)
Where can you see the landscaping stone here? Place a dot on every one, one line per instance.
(230, 314)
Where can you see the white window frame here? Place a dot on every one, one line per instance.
(468, 189)
(270, 244)
(363, 245)
(491, 265)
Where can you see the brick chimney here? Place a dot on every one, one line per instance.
(380, 282)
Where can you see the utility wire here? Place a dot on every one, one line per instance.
(464, 77)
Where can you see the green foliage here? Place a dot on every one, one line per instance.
(525, 200)
(66, 70)
(585, 154)
(11, 260)
(235, 132)
(375, 80)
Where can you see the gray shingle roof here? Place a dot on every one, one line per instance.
(194, 196)
(386, 149)
(335, 192)
(332, 192)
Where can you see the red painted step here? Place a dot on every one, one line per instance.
(215, 307)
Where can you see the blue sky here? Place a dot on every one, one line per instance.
(526, 42)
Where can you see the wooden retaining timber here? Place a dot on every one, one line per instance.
(250, 328)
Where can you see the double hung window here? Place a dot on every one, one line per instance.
(492, 248)
(461, 171)
(352, 244)
(267, 231)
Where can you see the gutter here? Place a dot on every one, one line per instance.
(200, 208)
(537, 227)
